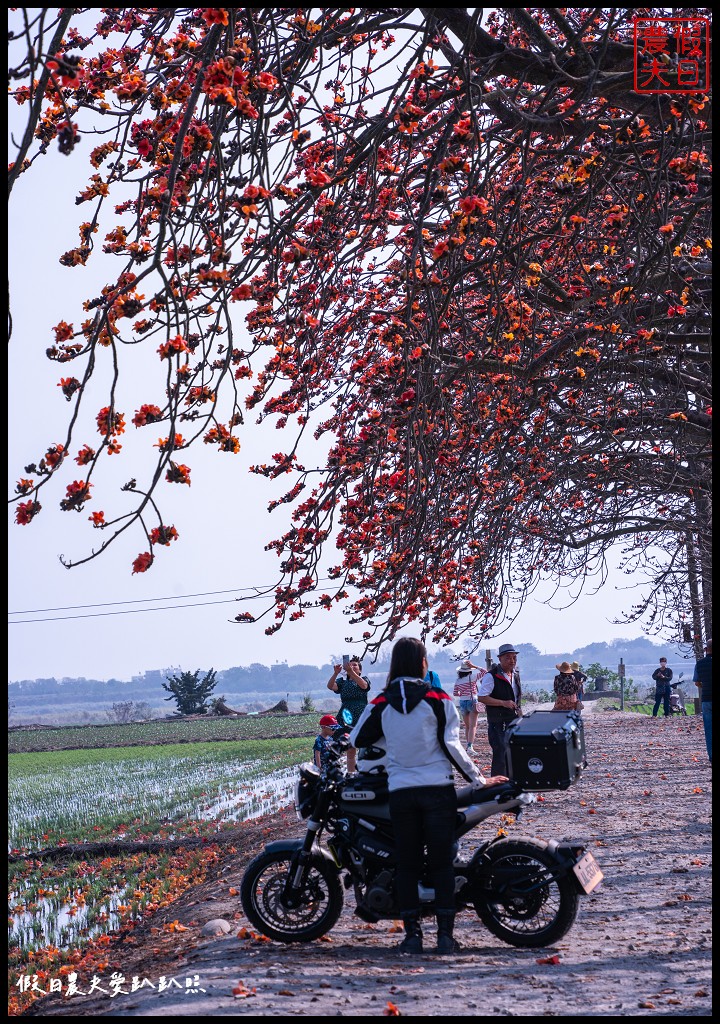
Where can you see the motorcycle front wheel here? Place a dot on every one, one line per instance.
(519, 901)
(261, 894)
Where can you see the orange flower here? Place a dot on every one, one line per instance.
(243, 291)
(317, 178)
(143, 562)
(215, 15)
(147, 414)
(63, 331)
(471, 204)
(173, 347)
(69, 386)
(178, 474)
(241, 991)
(85, 455)
(55, 455)
(78, 492)
(26, 511)
(163, 535)
(109, 422)
(174, 926)
(266, 81)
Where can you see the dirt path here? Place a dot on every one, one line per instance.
(641, 945)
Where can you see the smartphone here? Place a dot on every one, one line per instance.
(346, 661)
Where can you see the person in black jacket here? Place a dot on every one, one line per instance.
(662, 676)
(702, 677)
(501, 694)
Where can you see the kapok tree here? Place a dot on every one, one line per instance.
(473, 256)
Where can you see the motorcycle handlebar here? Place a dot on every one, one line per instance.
(339, 744)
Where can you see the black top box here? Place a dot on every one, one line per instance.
(546, 750)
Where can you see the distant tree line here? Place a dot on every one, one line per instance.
(640, 656)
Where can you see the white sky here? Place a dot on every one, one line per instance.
(221, 519)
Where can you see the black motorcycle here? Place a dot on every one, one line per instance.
(525, 891)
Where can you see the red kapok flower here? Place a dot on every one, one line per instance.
(143, 562)
(109, 422)
(163, 535)
(147, 414)
(215, 15)
(165, 444)
(26, 512)
(85, 455)
(317, 178)
(471, 204)
(173, 347)
(69, 386)
(54, 455)
(78, 492)
(266, 81)
(63, 331)
(178, 474)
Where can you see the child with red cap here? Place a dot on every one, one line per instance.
(328, 723)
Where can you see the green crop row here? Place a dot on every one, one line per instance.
(76, 795)
(196, 730)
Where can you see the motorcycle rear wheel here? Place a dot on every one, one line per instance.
(520, 902)
(261, 897)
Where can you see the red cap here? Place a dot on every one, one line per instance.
(328, 720)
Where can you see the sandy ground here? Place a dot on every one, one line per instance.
(641, 945)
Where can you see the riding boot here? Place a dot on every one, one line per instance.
(445, 925)
(413, 941)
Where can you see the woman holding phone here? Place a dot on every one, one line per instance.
(353, 690)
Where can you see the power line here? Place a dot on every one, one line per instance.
(256, 591)
(146, 600)
(127, 611)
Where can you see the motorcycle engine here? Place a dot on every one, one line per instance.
(378, 895)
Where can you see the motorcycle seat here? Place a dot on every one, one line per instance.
(470, 794)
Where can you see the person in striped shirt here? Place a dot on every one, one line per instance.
(466, 688)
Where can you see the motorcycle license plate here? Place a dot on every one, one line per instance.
(588, 873)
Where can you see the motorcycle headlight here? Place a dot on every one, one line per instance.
(305, 790)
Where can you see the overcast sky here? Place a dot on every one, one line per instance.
(221, 519)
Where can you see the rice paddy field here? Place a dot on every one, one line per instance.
(194, 730)
(62, 908)
(141, 792)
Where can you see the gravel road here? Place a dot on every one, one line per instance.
(641, 945)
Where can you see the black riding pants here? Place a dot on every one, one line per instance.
(424, 819)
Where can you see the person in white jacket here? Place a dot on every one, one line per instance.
(419, 727)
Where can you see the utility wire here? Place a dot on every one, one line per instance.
(127, 611)
(145, 600)
(255, 591)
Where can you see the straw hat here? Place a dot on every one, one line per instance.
(564, 666)
(575, 666)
